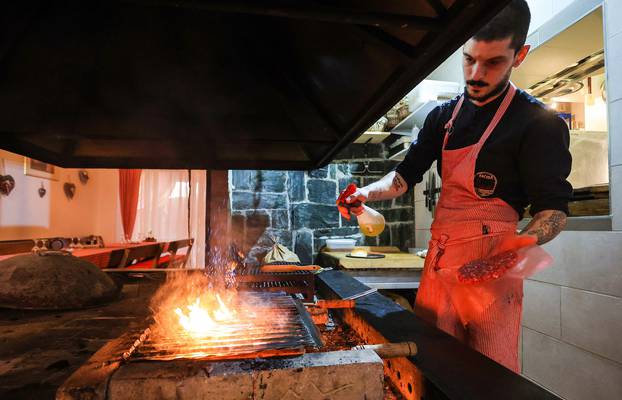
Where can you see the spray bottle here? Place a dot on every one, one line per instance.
(371, 222)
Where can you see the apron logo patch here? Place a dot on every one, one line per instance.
(485, 184)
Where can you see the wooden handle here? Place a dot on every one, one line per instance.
(392, 350)
(289, 268)
(335, 303)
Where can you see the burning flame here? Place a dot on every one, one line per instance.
(194, 317)
(198, 323)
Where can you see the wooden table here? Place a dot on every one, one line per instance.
(96, 255)
(397, 270)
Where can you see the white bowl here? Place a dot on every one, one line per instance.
(340, 244)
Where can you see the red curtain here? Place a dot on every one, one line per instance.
(129, 184)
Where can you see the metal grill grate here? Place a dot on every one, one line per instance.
(277, 329)
(290, 282)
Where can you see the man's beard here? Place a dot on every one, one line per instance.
(494, 92)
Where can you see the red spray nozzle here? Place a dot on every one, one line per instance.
(342, 206)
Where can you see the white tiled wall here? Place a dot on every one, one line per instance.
(542, 308)
(541, 11)
(587, 260)
(614, 66)
(589, 322)
(615, 122)
(613, 58)
(613, 15)
(544, 10)
(569, 371)
(615, 195)
(559, 5)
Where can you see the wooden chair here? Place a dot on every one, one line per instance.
(140, 257)
(16, 246)
(174, 260)
(116, 257)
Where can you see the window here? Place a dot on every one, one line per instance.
(181, 189)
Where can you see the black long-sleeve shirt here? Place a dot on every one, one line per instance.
(526, 155)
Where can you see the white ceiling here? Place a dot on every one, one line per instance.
(576, 42)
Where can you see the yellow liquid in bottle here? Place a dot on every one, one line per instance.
(371, 230)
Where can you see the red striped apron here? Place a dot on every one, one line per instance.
(467, 227)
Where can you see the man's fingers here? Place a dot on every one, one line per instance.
(515, 242)
(352, 198)
(356, 210)
(356, 196)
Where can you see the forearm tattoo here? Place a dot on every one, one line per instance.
(398, 182)
(546, 227)
(373, 196)
(386, 188)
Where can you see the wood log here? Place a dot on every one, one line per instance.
(289, 268)
(335, 303)
(392, 350)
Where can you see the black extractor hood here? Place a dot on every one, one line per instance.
(213, 84)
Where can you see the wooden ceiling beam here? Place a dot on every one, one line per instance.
(313, 13)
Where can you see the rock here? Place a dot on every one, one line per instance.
(332, 171)
(337, 232)
(407, 199)
(280, 219)
(304, 246)
(349, 222)
(257, 220)
(254, 201)
(321, 173)
(402, 236)
(53, 282)
(314, 216)
(384, 239)
(269, 181)
(405, 214)
(343, 183)
(241, 179)
(296, 186)
(321, 191)
(258, 180)
(370, 241)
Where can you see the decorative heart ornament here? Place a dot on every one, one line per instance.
(84, 176)
(42, 191)
(70, 190)
(7, 184)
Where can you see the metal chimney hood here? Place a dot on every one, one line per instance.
(213, 84)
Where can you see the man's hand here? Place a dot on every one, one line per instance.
(514, 242)
(343, 205)
(356, 200)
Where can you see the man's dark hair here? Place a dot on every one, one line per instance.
(513, 21)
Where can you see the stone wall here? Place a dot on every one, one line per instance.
(298, 207)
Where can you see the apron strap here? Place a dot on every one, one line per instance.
(449, 126)
(503, 107)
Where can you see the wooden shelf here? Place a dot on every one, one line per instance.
(418, 116)
(372, 137)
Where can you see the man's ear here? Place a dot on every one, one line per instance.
(520, 56)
